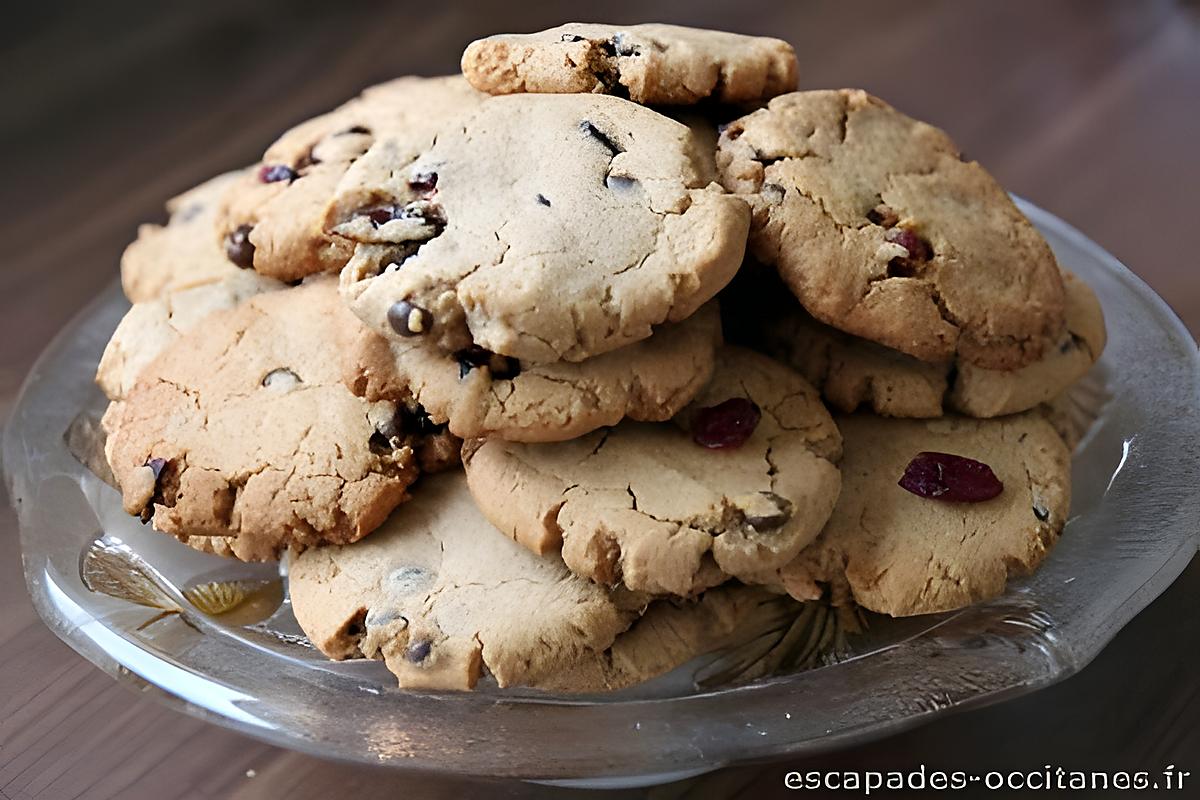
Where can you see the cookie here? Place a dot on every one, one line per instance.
(480, 394)
(150, 326)
(242, 428)
(898, 553)
(882, 230)
(274, 217)
(440, 597)
(546, 228)
(443, 599)
(674, 631)
(734, 486)
(652, 64)
(854, 373)
(183, 253)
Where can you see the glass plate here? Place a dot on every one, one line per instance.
(1134, 527)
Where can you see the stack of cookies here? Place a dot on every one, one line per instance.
(528, 372)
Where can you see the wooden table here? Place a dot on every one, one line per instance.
(1090, 109)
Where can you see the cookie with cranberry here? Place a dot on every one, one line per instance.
(273, 218)
(734, 486)
(150, 326)
(937, 514)
(544, 227)
(882, 230)
(481, 394)
(242, 428)
(652, 64)
(854, 373)
(184, 252)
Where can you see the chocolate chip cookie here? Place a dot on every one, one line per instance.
(852, 372)
(734, 486)
(273, 218)
(150, 326)
(444, 599)
(483, 394)
(545, 227)
(242, 428)
(184, 252)
(440, 596)
(902, 553)
(652, 64)
(882, 230)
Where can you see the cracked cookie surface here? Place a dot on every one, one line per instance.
(900, 554)
(546, 228)
(273, 217)
(883, 231)
(653, 64)
(646, 506)
(242, 428)
(439, 596)
(480, 394)
(150, 326)
(855, 373)
(183, 253)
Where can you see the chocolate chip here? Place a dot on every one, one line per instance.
(421, 210)
(1042, 514)
(417, 422)
(771, 519)
(541, 198)
(418, 651)
(571, 38)
(591, 130)
(273, 173)
(358, 129)
(608, 47)
(407, 319)
(281, 378)
(502, 368)
(423, 182)
(884, 215)
(238, 247)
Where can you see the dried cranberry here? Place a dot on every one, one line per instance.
(273, 173)
(727, 424)
(382, 214)
(423, 182)
(918, 249)
(238, 247)
(954, 479)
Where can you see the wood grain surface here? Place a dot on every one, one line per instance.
(1090, 109)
